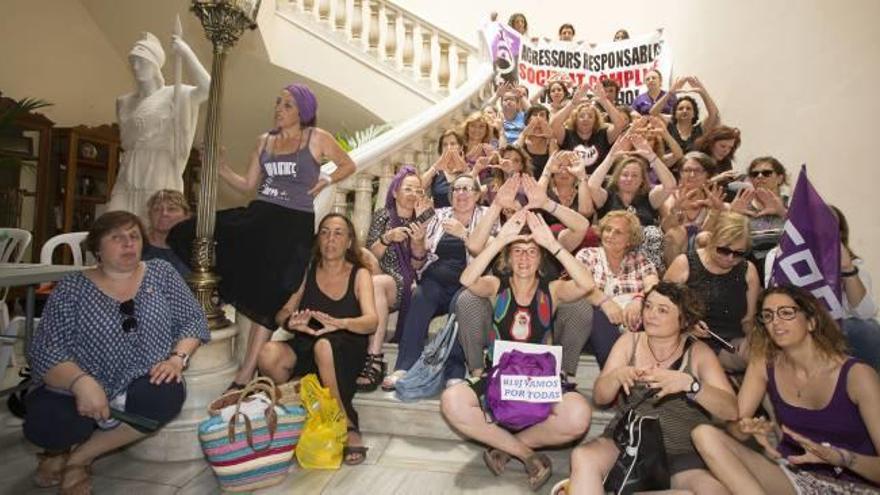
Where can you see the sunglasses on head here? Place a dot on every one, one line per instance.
(130, 323)
(726, 251)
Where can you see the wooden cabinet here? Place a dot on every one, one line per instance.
(25, 148)
(84, 162)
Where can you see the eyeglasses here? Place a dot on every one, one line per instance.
(726, 251)
(783, 312)
(692, 171)
(761, 173)
(462, 189)
(130, 323)
(530, 252)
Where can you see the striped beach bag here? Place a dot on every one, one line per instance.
(250, 453)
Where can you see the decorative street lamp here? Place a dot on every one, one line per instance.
(224, 22)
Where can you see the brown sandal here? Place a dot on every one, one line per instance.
(539, 468)
(50, 468)
(496, 460)
(83, 486)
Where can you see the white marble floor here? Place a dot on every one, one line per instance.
(394, 465)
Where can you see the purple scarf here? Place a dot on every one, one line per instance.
(403, 249)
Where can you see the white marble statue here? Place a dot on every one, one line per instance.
(157, 124)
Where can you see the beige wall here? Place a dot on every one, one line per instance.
(60, 59)
(798, 78)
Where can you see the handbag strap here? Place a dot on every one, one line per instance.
(259, 384)
(249, 432)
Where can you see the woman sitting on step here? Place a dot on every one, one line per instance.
(113, 339)
(331, 315)
(397, 239)
(474, 312)
(531, 302)
(690, 388)
(825, 402)
(448, 253)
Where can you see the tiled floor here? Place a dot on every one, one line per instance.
(394, 465)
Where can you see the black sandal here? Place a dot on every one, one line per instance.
(358, 453)
(374, 371)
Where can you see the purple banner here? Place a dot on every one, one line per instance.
(810, 247)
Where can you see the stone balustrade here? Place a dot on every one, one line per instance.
(395, 36)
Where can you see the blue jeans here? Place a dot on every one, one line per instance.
(603, 336)
(430, 299)
(863, 339)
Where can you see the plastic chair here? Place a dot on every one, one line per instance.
(73, 240)
(10, 332)
(13, 244)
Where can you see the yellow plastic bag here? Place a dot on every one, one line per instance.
(324, 434)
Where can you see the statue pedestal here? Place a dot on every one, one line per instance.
(211, 370)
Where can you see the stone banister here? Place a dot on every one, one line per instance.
(411, 142)
(392, 35)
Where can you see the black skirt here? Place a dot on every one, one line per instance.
(262, 253)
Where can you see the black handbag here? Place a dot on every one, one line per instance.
(642, 463)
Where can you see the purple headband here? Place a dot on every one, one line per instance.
(305, 101)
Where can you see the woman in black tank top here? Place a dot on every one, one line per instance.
(331, 317)
(728, 284)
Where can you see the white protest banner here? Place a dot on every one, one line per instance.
(531, 388)
(626, 61)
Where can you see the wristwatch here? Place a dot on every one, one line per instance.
(694, 388)
(183, 357)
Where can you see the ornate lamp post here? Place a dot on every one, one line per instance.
(224, 22)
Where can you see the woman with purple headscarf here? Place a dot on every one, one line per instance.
(397, 239)
(262, 249)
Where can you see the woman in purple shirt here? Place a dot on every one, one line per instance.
(645, 101)
(826, 403)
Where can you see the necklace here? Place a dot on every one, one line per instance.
(654, 355)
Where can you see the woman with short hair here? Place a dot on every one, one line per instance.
(664, 374)
(113, 338)
(729, 285)
(623, 275)
(165, 209)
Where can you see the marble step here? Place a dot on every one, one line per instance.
(381, 412)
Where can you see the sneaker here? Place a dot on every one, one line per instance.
(390, 381)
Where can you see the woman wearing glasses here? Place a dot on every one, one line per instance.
(825, 401)
(446, 243)
(525, 303)
(397, 239)
(114, 338)
(765, 206)
(728, 284)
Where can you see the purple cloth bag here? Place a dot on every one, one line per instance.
(514, 414)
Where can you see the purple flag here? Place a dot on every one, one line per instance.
(809, 254)
(504, 45)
